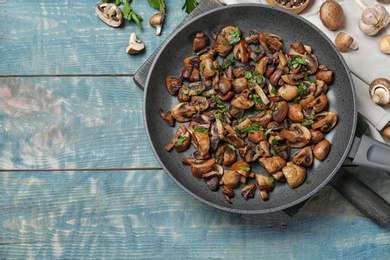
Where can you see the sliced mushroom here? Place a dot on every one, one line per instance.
(241, 51)
(200, 167)
(265, 185)
(109, 13)
(294, 174)
(225, 155)
(272, 164)
(216, 172)
(321, 149)
(181, 141)
(134, 46)
(248, 191)
(243, 100)
(318, 103)
(157, 21)
(270, 42)
(200, 140)
(279, 111)
(242, 167)
(173, 84)
(201, 41)
(288, 92)
(325, 121)
(231, 178)
(183, 112)
(167, 117)
(297, 135)
(324, 74)
(295, 113)
(303, 156)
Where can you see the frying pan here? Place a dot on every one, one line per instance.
(292, 28)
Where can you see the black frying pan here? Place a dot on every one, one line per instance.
(291, 28)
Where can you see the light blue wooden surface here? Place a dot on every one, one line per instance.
(79, 179)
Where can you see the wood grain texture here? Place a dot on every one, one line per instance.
(143, 214)
(68, 36)
(72, 123)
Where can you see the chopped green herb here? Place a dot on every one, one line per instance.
(273, 152)
(181, 140)
(185, 91)
(273, 91)
(245, 168)
(225, 43)
(308, 181)
(298, 60)
(252, 128)
(212, 67)
(307, 121)
(235, 36)
(275, 141)
(301, 88)
(271, 178)
(201, 130)
(232, 147)
(268, 131)
(257, 100)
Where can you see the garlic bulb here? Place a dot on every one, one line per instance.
(373, 18)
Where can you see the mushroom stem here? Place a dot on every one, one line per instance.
(362, 5)
(380, 91)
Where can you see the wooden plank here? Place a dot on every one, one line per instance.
(67, 38)
(143, 214)
(72, 123)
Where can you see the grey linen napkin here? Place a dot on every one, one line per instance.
(366, 64)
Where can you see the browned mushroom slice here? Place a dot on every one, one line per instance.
(295, 113)
(223, 86)
(318, 103)
(324, 74)
(173, 84)
(225, 155)
(243, 100)
(183, 112)
(200, 167)
(303, 157)
(294, 174)
(270, 42)
(200, 139)
(275, 77)
(242, 167)
(325, 121)
(216, 172)
(200, 103)
(248, 191)
(297, 47)
(241, 51)
(288, 92)
(321, 149)
(231, 178)
(279, 111)
(262, 64)
(312, 62)
(316, 136)
(168, 118)
(200, 42)
(272, 164)
(293, 78)
(256, 136)
(262, 119)
(181, 141)
(262, 95)
(297, 135)
(265, 185)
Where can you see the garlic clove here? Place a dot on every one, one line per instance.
(384, 44)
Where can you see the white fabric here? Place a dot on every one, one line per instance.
(366, 64)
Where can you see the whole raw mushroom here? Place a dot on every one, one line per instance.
(344, 41)
(331, 15)
(157, 21)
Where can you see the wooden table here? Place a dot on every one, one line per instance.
(79, 179)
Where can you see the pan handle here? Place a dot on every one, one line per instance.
(371, 153)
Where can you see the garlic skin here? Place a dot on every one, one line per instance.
(373, 19)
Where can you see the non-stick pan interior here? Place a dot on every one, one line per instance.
(292, 28)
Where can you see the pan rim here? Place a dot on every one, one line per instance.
(302, 198)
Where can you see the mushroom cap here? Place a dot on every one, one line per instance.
(343, 41)
(380, 91)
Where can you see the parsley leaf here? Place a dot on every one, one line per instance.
(159, 4)
(298, 60)
(201, 130)
(129, 14)
(235, 36)
(189, 5)
(181, 140)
